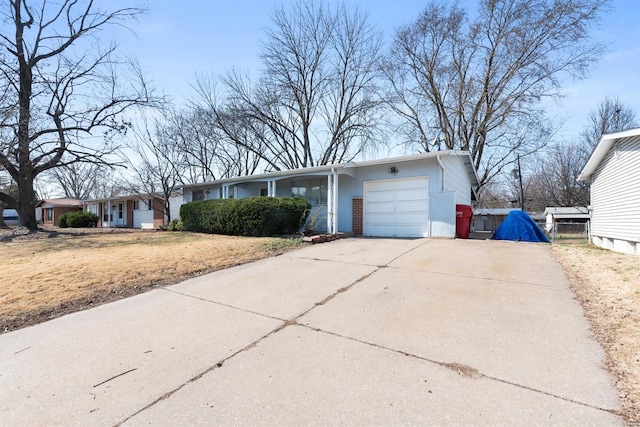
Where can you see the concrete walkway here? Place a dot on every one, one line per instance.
(357, 331)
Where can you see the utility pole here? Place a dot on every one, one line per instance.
(521, 188)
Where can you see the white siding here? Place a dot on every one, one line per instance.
(143, 219)
(456, 179)
(615, 193)
(442, 208)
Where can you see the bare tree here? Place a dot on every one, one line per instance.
(553, 178)
(61, 84)
(77, 180)
(315, 102)
(492, 196)
(160, 163)
(476, 84)
(611, 115)
(234, 141)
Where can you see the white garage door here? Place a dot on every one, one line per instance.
(143, 219)
(397, 207)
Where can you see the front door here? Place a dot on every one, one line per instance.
(120, 219)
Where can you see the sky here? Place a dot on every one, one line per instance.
(179, 39)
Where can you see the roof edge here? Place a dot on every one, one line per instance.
(328, 168)
(601, 149)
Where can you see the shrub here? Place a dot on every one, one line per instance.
(77, 219)
(251, 216)
(174, 225)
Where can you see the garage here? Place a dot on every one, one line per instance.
(142, 219)
(397, 207)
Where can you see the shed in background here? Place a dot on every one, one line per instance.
(489, 219)
(575, 214)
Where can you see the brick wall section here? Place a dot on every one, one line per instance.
(357, 216)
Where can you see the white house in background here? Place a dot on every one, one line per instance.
(553, 215)
(411, 196)
(132, 211)
(614, 171)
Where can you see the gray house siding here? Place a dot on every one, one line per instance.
(316, 184)
(457, 180)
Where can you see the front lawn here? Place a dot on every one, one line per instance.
(45, 277)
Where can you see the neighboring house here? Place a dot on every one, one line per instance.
(10, 216)
(489, 219)
(614, 172)
(51, 209)
(555, 215)
(133, 211)
(411, 196)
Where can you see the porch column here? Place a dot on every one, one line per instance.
(334, 230)
(330, 202)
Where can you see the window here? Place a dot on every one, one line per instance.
(318, 193)
(120, 210)
(298, 190)
(49, 214)
(136, 205)
(264, 192)
(150, 204)
(314, 190)
(197, 195)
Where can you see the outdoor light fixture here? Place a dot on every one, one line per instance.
(393, 170)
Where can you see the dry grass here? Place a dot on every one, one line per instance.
(45, 278)
(608, 286)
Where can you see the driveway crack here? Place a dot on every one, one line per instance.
(220, 363)
(213, 367)
(224, 305)
(466, 371)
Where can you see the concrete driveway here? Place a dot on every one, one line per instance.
(357, 331)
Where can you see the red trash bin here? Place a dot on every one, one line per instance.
(463, 221)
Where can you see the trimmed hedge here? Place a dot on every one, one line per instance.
(77, 219)
(251, 216)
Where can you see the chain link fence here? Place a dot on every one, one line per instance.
(568, 233)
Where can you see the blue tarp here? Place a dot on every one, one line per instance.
(519, 226)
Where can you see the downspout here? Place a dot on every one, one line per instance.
(442, 171)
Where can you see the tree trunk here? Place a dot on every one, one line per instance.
(27, 203)
(2, 223)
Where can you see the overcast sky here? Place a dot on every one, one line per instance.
(178, 39)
